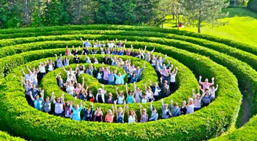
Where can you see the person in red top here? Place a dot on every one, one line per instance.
(67, 52)
(110, 115)
(206, 84)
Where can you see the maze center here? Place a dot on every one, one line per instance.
(233, 73)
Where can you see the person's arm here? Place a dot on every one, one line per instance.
(151, 106)
(81, 53)
(116, 109)
(152, 51)
(92, 110)
(80, 108)
(145, 86)
(62, 98)
(212, 83)
(162, 103)
(117, 91)
(135, 86)
(126, 89)
(140, 109)
(64, 69)
(71, 106)
(32, 98)
(56, 57)
(42, 94)
(193, 93)
(28, 69)
(171, 104)
(203, 95)
(124, 104)
(217, 86)
(200, 79)
(23, 72)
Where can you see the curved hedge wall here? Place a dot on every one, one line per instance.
(231, 63)
(252, 5)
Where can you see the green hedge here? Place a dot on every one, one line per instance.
(148, 74)
(241, 55)
(220, 114)
(252, 5)
(28, 32)
(6, 137)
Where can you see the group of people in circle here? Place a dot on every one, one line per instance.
(166, 86)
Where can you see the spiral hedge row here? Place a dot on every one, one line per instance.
(232, 64)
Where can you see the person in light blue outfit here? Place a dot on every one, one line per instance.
(175, 109)
(119, 78)
(154, 114)
(76, 111)
(38, 101)
(86, 44)
(58, 61)
(130, 95)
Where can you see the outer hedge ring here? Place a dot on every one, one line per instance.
(203, 64)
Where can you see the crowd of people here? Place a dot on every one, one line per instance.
(158, 90)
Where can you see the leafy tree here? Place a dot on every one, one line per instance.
(207, 11)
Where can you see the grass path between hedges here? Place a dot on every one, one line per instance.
(242, 26)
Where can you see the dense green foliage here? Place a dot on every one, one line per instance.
(6, 137)
(63, 12)
(207, 123)
(252, 5)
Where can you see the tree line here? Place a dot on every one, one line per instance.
(34, 13)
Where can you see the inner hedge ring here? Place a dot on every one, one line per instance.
(149, 74)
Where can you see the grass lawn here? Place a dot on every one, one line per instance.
(242, 26)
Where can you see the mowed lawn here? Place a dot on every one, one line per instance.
(241, 26)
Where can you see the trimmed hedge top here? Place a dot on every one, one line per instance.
(207, 123)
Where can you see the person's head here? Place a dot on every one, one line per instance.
(58, 100)
(149, 88)
(37, 97)
(70, 69)
(121, 93)
(76, 106)
(206, 80)
(130, 92)
(166, 106)
(100, 69)
(90, 92)
(198, 96)
(138, 68)
(67, 103)
(33, 86)
(144, 111)
(81, 67)
(111, 72)
(100, 90)
(132, 113)
(109, 112)
(190, 101)
(134, 74)
(77, 56)
(155, 84)
(154, 110)
(138, 89)
(119, 74)
(184, 103)
(110, 95)
(207, 93)
(165, 82)
(144, 96)
(120, 110)
(47, 99)
(176, 105)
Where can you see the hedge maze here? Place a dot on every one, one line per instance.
(232, 64)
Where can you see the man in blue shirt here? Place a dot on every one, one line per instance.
(86, 44)
(139, 72)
